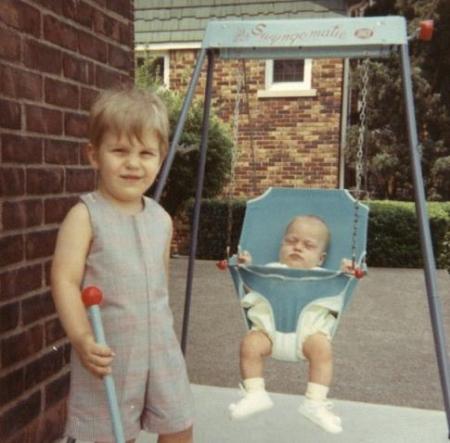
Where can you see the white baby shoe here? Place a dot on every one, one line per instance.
(252, 403)
(319, 413)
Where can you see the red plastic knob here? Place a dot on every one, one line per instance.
(222, 264)
(91, 296)
(359, 273)
(426, 28)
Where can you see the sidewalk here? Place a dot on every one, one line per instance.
(363, 422)
(384, 355)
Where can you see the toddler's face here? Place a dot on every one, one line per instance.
(127, 167)
(303, 245)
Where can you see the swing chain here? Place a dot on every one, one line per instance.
(234, 153)
(360, 151)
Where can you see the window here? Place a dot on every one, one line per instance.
(288, 78)
(156, 66)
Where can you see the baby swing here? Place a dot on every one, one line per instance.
(286, 292)
(348, 38)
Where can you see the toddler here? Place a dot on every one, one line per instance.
(118, 240)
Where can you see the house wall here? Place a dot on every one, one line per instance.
(295, 139)
(54, 58)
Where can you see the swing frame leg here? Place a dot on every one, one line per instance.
(434, 301)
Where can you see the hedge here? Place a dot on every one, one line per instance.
(393, 239)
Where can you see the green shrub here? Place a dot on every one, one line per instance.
(182, 180)
(213, 228)
(393, 238)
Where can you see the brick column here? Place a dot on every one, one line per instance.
(54, 58)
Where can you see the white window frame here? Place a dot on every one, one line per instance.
(166, 63)
(288, 89)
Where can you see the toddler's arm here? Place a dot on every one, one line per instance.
(72, 246)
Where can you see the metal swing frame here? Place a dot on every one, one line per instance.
(371, 37)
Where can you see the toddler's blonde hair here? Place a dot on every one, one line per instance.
(132, 112)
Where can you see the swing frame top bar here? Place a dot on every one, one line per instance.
(306, 38)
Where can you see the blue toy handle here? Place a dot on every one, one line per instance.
(99, 333)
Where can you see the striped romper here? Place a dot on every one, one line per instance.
(126, 261)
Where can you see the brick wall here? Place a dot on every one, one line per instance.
(295, 140)
(54, 57)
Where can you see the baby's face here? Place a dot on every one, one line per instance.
(303, 246)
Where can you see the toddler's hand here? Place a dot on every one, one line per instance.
(244, 258)
(95, 358)
(347, 266)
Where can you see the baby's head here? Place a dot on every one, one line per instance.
(305, 242)
(129, 113)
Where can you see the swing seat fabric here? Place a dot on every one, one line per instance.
(288, 292)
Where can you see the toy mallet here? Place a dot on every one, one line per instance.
(92, 297)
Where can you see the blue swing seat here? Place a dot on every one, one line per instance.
(288, 291)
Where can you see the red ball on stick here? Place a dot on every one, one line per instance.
(91, 296)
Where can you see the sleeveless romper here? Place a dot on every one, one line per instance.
(126, 261)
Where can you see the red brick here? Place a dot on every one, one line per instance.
(80, 180)
(42, 57)
(10, 114)
(11, 386)
(92, 47)
(76, 125)
(20, 281)
(57, 390)
(21, 346)
(106, 25)
(106, 78)
(46, 366)
(40, 244)
(87, 97)
(57, 208)
(22, 214)
(12, 181)
(77, 69)
(10, 47)
(44, 180)
(37, 307)
(120, 58)
(20, 84)
(53, 6)
(10, 317)
(44, 120)
(21, 16)
(60, 33)
(79, 11)
(120, 7)
(20, 415)
(61, 152)
(53, 331)
(52, 422)
(12, 249)
(20, 149)
(126, 34)
(61, 94)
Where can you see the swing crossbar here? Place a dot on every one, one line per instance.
(314, 38)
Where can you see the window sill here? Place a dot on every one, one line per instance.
(271, 93)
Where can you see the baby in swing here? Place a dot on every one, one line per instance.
(304, 246)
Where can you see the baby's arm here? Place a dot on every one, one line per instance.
(347, 266)
(72, 246)
(244, 258)
(167, 251)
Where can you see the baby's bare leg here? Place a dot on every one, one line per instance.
(317, 349)
(255, 346)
